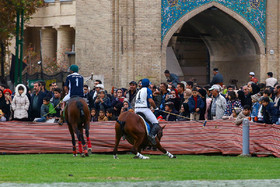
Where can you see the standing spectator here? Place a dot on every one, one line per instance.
(93, 94)
(44, 90)
(270, 113)
(8, 97)
(181, 89)
(218, 77)
(36, 102)
(156, 95)
(20, 103)
(102, 102)
(202, 94)
(219, 103)
(171, 78)
(174, 98)
(245, 96)
(130, 96)
(195, 105)
(3, 105)
(255, 107)
(270, 81)
(253, 78)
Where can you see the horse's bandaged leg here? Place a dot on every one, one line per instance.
(89, 143)
(139, 155)
(170, 155)
(80, 147)
(85, 148)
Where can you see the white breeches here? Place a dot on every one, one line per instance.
(148, 113)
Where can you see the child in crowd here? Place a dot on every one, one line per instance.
(55, 100)
(270, 112)
(2, 117)
(267, 93)
(47, 110)
(242, 115)
(110, 115)
(20, 103)
(101, 116)
(169, 108)
(93, 115)
(196, 104)
(184, 114)
(255, 107)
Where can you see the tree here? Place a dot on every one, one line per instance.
(8, 14)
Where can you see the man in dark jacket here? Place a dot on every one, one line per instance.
(270, 112)
(218, 77)
(36, 101)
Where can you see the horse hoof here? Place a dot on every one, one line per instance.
(174, 156)
(145, 158)
(74, 155)
(89, 151)
(115, 157)
(86, 154)
(82, 155)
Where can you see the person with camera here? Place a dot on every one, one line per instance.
(175, 99)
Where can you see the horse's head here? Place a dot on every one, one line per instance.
(160, 132)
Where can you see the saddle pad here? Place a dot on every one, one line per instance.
(148, 127)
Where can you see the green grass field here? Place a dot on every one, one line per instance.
(48, 168)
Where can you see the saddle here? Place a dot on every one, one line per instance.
(147, 123)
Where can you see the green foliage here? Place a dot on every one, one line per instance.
(8, 14)
(48, 168)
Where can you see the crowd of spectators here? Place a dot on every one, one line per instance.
(175, 100)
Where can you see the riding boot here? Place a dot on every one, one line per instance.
(153, 133)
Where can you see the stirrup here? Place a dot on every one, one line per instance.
(152, 139)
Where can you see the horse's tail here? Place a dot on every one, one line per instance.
(80, 106)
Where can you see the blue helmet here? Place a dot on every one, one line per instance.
(145, 82)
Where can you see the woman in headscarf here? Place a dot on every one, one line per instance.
(5, 106)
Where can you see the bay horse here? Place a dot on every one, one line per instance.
(77, 117)
(133, 128)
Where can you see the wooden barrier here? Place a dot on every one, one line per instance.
(221, 137)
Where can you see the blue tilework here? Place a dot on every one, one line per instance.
(254, 11)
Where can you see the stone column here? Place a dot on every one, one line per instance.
(48, 37)
(65, 40)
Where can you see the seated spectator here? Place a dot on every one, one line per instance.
(195, 105)
(171, 78)
(242, 115)
(93, 115)
(185, 115)
(270, 112)
(169, 108)
(47, 110)
(110, 114)
(20, 103)
(101, 115)
(8, 98)
(55, 100)
(232, 103)
(2, 117)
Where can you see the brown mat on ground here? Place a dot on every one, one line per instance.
(179, 138)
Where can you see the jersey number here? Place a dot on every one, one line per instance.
(77, 82)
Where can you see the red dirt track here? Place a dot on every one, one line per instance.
(221, 137)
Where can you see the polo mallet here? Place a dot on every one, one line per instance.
(204, 123)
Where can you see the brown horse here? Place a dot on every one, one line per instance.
(77, 116)
(133, 128)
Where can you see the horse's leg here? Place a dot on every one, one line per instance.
(79, 141)
(88, 139)
(136, 146)
(158, 145)
(117, 141)
(85, 151)
(73, 140)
